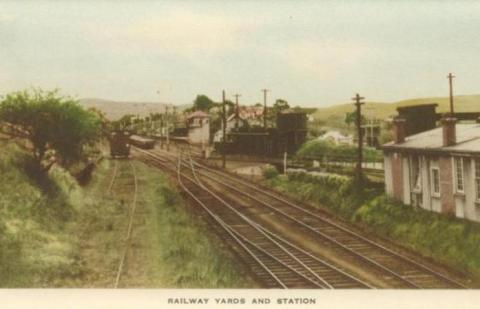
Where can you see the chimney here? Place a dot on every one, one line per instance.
(449, 132)
(399, 132)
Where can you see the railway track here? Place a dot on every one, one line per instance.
(400, 271)
(119, 179)
(277, 262)
(396, 270)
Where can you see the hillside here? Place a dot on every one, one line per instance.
(334, 116)
(116, 109)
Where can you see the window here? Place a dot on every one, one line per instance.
(416, 174)
(435, 181)
(458, 165)
(477, 179)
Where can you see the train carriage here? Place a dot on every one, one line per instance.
(141, 142)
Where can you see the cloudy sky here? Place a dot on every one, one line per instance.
(314, 53)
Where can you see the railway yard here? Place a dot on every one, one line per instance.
(284, 243)
(158, 218)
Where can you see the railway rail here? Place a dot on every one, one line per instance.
(409, 272)
(131, 213)
(277, 262)
(396, 269)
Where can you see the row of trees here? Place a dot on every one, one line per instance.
(52, 124)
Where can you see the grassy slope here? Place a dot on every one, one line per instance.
(36, 246)
(449, 240)
(334, 116)
(54, 233)
(184, 253)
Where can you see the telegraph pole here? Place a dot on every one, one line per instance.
(450, 82)
(161, 130)
(174, 116)
(224, 130)
(167, 124)
(358, 105)
(237, 111)
(265, 107)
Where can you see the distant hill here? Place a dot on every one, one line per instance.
(116, 109)
(334, 116)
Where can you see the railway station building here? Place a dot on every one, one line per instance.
(198, 128)
(438, 169)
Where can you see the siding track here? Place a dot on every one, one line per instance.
(398, 270)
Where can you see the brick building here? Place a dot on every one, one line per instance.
(438, 170)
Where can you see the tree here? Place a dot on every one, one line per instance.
(351, 118)
(104, 122)
(280, 105)
(230, 107)
(277, 107)
(123, 123)
(51, 122)
(203, 103)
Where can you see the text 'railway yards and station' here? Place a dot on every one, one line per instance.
(242, 301)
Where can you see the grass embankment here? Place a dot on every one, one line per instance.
(185, 253)
(449, 240)
(36, 246)
(55, 233)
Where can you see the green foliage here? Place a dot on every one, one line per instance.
(74, 236)
(229, 108)
(351, 118)
(187, 253)
(51, 122)
(450, 240)
(123, 123)
(202, 103)
(270, 171)
(336, 192)
(35, 245)
(280, 105)
(324, 149)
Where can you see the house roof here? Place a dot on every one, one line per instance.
(333, 134)
(198, 114)
(467, 135)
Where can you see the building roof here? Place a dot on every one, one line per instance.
(334, 134)
(467, 135)
(417, 107)
(198, 114)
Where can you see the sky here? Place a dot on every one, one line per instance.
(310, 53)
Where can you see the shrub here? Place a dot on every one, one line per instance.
(450, 240)
(270, 172)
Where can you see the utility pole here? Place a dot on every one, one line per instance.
(167, 124)
(358, 105)
(174, 116)
(237, 109)
(265, 107)
(224, 130)
(161, 130)
(450, 81)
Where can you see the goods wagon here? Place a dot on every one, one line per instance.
(119, 144)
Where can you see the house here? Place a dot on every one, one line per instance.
(438, 169)
(252, 114)
(231, 124)
(337, 138)
(198, 128)
(371, 133)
